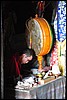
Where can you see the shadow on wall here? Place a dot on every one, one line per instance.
(18, 42)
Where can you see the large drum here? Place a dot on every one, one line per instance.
(39, 36)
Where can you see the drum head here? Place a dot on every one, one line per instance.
(35, 33)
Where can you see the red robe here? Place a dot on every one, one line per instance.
(15, 67)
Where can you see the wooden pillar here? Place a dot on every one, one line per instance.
(2, 71)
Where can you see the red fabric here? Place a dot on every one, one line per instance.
(40, 5)
(15, 68)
